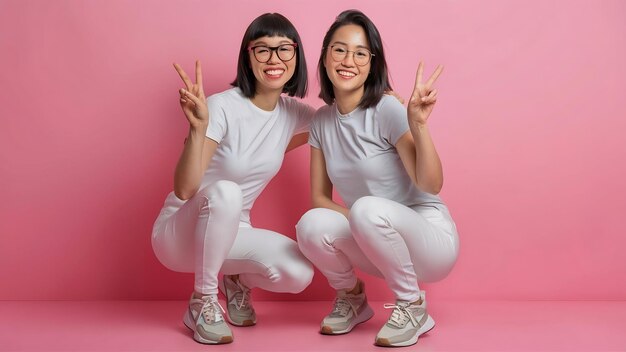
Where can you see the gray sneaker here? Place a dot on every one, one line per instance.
(240, 310)
(348, 311)
(407, 322)
(204, 317)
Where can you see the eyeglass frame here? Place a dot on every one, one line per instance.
(350, 51)
(273, 49)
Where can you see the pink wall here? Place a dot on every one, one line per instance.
(529, 125)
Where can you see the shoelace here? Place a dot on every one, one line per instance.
(243, 297)
(342, 305)
(401, 314)
(210, 312)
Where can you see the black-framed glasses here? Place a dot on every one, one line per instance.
(361, 56)
(263, 53)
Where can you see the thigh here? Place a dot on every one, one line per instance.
(429, 235)
(258, 250)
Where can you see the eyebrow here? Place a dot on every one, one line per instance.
(261, 42)
(358, 46)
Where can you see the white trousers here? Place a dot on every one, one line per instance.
(383, 238)
(203, 235)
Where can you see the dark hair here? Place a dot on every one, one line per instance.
(377, 81)
(271, 25)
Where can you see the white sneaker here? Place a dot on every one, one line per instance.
(407, 322)
(204, 317)
(348, 311)
(238, 305)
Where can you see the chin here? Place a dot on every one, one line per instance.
(277, 85)
(347, 88)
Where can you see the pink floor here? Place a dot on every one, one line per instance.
(292, 326)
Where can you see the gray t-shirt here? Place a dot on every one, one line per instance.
(361, 158)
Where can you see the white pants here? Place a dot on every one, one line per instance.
(204, 236)
(383, 238)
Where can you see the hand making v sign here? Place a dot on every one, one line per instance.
(192, 99)
(423, 98)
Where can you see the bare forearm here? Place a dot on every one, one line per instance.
(428, 170)
(328, 203)
(189, 170)
(321, 187)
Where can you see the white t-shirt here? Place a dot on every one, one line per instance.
(252, 142)
(361, 158)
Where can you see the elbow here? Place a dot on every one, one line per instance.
(315, 203)
(433, 189)
(182, 194)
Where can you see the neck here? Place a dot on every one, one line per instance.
(348, 101)
(266, 99)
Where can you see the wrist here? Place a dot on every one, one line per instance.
(418, 126)
(196, 133)
(199, 129)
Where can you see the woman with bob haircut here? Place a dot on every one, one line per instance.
(235, 146)
(382, 159)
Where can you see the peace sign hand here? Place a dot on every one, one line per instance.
(192, 98)
(424, 97)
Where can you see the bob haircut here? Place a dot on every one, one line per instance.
(377, 81)
(271, 25)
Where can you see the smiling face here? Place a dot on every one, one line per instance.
(346, 76)
(275, 73)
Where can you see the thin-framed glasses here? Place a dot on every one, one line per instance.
(263, 53)
(361, 56)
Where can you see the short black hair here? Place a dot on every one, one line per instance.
(377, 81)
(271, 25)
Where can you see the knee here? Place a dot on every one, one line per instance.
(297, 276)
(312, 227)
(365, 213)
(223, 194)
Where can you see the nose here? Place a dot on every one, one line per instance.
(348, 60)
(273, 56)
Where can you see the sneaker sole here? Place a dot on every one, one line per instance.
(242, 324)
(365, 315)
(189, 323)
(429, 325)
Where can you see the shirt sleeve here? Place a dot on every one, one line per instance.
(315, 131)
(217, 119)
(304, 117)
(393, 119)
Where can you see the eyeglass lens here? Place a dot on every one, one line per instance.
(361, 56)
(285, 52)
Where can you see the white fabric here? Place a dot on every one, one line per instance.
(361, 158)
(212, 230)
(204, 237)
(251, 142)
(383, 238)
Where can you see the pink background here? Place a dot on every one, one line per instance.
(529, 125)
